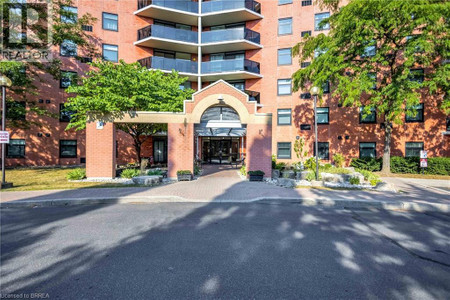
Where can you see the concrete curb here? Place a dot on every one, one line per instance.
(338, 203)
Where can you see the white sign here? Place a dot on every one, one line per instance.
(4, 137)
(423, 154)
(100, 125)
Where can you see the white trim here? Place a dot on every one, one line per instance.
(165, 40)
(167, 9)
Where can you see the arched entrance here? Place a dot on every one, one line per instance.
(220, 135)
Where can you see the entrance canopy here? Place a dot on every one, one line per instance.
(220, 120)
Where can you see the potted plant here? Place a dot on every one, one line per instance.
(257, 175)
(184, 175)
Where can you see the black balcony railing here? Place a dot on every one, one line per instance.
(221, 5)
(231, 34)
(170, 33)
(184, 5)
(169, 64)
(230, 65)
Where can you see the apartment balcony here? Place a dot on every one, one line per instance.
(225, 11)
(184, 67)
(162, 37)
(230, 69)
(181, 11)
(233, 39)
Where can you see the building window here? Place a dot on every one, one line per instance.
(417, 113)
(65, 114)
(69, 14)
(326, 87)
(318, 52)
(111, 52)
(284, 87)
(85, 60)
(110, 22)
(416, 75)
(67, 148)
(304, 33)
(318, 18)
(306, 2)
(285, 26)
(68, 48)
(369, 51)
(305, 96)
(305, 64)
(87, 28)
(16, 110)
(284, 150)
(367, 150)
(282, 2)
(67, 79)
(373, 77)
(284, 56)
(323, 115)
(15, 148)
(448, 124)
(185, 85)
(412, 149)
(324, 150)
(367, 117)
(284, 116)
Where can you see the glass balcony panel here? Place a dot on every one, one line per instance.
(169, 64)
(189, 6)
(231, 34)
(230, 65)
(168, 33)
(221, 5)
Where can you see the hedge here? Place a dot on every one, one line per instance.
(405, 165)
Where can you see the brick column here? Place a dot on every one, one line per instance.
(180, 148)
(259, 148)
(100, 150)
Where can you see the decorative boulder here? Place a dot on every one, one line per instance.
(275, 174)
(302, 175)
(147, 180)
(385, 187)
(286, 182)
(288, 174)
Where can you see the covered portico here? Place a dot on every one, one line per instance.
(219, 112)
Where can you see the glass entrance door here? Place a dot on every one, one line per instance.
(220, 151)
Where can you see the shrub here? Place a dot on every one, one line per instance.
(256, 173)
(367, 163)
(197, 170)
(243, 171)
(310, 163)
(76, 174)
(130, 173)
(338, 160)
(274, 161)
(405, 165)
(369, 176)
(154, 172)
(312, 176)
(280, 166)
(326, 167)
(438, 166)
(184, 172)
(354, 180)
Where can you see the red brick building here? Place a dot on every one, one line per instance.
(243, 42)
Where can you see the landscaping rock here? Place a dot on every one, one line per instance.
(286, 182)
(317, 183)
(351, 169)
(337, 178)
(148, 180)
(359, 175)
(288, 174)
(275, 173)
(302, 175)
(385, 187)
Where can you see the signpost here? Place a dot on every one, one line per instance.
(423, 160)
(4, 137)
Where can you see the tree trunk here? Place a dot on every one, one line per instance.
(387, 148)
(137, 148)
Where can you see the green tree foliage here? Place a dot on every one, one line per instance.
(27, 75)
(371, 55)
(114, 90)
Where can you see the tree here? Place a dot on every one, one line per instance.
(27, 75)
(113, 90)
(374, 55)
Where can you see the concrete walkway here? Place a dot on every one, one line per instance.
(223, 184)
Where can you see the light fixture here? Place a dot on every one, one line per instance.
(315, 91)
(39, 134)
(220, 98)
(5, 81)
(47, 134)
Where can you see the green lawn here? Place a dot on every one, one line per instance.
(420, 176)
(48, 179)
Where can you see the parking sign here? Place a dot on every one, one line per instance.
(423, 154)
(4, 137)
